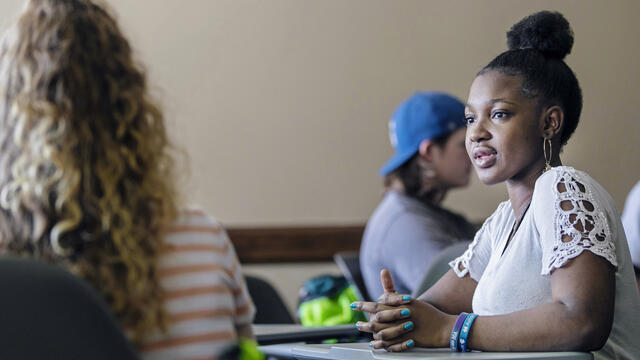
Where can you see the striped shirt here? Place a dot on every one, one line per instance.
(205, 294)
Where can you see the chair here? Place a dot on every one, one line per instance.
(349, 264)
(48, 313)
(270, 308)
(439, 266)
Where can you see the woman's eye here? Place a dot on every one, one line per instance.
(499, 115)
(470, 120)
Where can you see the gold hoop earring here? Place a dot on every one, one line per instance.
(547, 160)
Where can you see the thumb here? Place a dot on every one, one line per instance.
(387, 281)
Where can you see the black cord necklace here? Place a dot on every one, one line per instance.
(514, 228)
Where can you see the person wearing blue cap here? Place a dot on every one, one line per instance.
(409, 226)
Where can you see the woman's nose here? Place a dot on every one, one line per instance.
(478, 132)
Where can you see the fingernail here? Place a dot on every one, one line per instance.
(408, 325)
(405, 312)
(370, 344)
(406, 298)
(358, 326)
(410, 343)
(354, 305)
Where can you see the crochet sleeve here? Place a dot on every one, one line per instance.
(571, 219)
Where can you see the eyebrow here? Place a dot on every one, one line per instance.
(493, 101)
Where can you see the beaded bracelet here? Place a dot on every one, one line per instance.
(464, 332)
(453, 339)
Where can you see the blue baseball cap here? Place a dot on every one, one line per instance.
(425, 115)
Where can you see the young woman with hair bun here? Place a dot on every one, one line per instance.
(550, 270)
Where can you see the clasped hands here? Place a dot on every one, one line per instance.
(399, 323)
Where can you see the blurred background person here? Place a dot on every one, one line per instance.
(409, 226)
(631, 223)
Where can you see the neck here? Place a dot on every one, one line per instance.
(520, 187)
(433, 197)
(396, 185)
(520, 196)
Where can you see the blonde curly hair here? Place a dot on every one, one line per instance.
(87, 172)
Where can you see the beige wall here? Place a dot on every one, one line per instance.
(282, 105)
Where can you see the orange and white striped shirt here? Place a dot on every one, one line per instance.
(206, 297)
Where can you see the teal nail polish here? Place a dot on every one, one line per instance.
(408, 325)
(406, 298)
(370, 344)
(354, 305)
(405, 312)
(410, 343)
(358, 326)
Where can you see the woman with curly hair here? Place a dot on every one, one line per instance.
(87, 181)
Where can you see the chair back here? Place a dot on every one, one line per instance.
(439, 266)
(270, 308)
(349, 264)
(48, 313)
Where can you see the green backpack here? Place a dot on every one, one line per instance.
(324, 301)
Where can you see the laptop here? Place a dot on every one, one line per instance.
(287, 333)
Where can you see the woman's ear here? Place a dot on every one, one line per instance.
(426, 150)
(553, 121)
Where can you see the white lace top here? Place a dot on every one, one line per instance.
(547, 238)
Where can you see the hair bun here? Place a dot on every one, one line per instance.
(546, 31)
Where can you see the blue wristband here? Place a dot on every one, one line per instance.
(453, 339)
(464, 332)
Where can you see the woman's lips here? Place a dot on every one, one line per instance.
(484, 157)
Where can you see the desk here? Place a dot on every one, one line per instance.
(361, 351)
(286, 333)
(280, 351)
